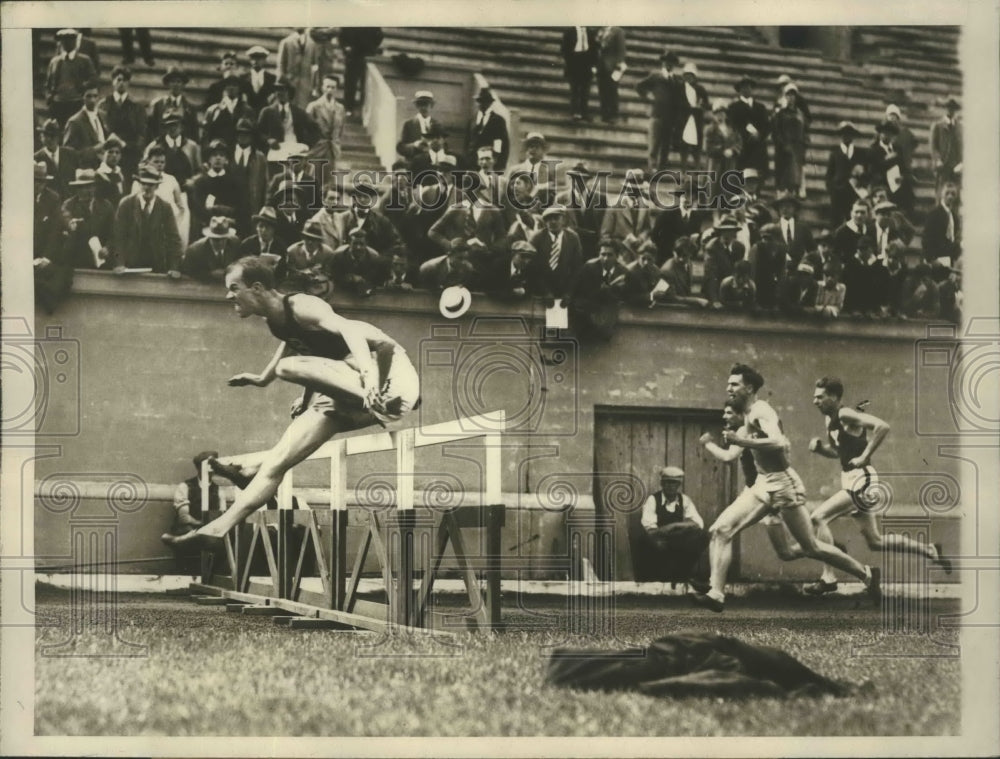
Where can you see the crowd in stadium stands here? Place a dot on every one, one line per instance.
(190, 182)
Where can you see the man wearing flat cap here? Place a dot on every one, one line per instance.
(672, 520)
(844, 158)
(488, 127)
(176, 102)
(61, 162)
(145, 231)
(413, 139)
(750, 119)
(664, 91)
(559, 252)
(258, 82)
(946, 144)
(309, 262)
(514, 275)
(125, 117)
(69, 73)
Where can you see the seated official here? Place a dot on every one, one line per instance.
(671, 519)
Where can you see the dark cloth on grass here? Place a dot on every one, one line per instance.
(691, 663)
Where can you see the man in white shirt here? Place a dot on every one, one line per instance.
(672, 520)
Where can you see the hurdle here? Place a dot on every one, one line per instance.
(285, 537)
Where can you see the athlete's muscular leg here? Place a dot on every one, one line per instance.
(837, 505)
(800, 525)
(890, 542)
(337, 379)
(740, 514)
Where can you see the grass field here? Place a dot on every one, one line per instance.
(208, 672)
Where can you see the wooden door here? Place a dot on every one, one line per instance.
(637, 442)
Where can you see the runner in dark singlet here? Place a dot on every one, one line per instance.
(853, 437)
(353, 373)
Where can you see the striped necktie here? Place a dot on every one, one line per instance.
(554, 255)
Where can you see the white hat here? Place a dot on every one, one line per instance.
(423, 95)
(690, 68)
(790, 87)
(892, 108)
(454, 301)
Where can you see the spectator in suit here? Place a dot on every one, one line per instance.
(645, 286)
(579, 48)
(326, 219)
(358, 43)
(559, 252)
(110, 178)
(691, 107)
(758, 211)
(883, 230)
(844, 159)
(492, 189)
(327, 54)
(722, 145)
(206, 260)
(259, 83)
(145, 46)
(125, 117)
(183, 155)
(522, 210)
(358, 268)
(249, 169)
(768, 261)
(86, 130)
(215, 186)
(380, 234)
(677, 221)
(846, 236)
(515, 274)
(228, 68)
(296, 57)
(435, 158)
(541, 167)
(823, 240)
(584, 216)
(790, 134)
(599, 287)
(800, 101)
(886, 168)
(400, 278)
(453, 268)
(751, 120)
(145, 233)
(677, 274)
(630, 223)
(921, 295)
(610, 68)
(905, 141)
(488, 128)
(950, 294)
(90, 222)
(832, 292)
(414, 137)
(329, 117)
(310, 263)
(866, 280)
(664, 92)
(293, 210)
(48, 220)
(796, 234)
(175, 101)
(69, 73)
(264, 241)
(946, 145)
(942, 235)
(798, 294)
(297, 170)
(482, 229)
(284, 122)
(738, 291)
(898, 221)
(60, 162)
(222, 117)
(168, 190)
(721, 256)
(898, 273)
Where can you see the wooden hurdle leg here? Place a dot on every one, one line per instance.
(336, 591)
(495, 519)
(401, 549)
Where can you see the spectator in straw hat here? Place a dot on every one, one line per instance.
(579, 53)
(664, 91)
(790, 139)
(884, 230)
(610, 68)
(413, 138)
(751, 120)
(176, 102)
(296, 57)
(68, 75)
(488, 128)
(946, 144)
(183, 153)
(214, 186)
(309, 262)
(60, 162)
(222, 117)
(90, 221)
(691, 107)
(843, 161)
(259, 83)
(357, 267)
(86, 131)
(228, 65)
(110, 177)
(125, 117)
(206, 260)
(145, 232)
(264, 241)
(283, 121)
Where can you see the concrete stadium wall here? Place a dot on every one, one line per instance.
(144, 389)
